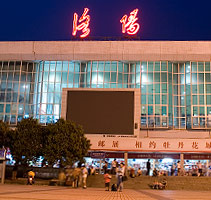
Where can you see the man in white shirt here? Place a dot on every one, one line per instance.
(178, 168)
(84, 175)
(120, 174)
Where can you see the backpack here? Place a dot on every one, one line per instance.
(114, 187)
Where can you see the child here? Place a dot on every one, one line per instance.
(107, 179)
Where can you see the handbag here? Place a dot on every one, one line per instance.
(124, 178)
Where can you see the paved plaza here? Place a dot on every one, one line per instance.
(34, 192)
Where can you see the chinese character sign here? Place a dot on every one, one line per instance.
(83, 24)
(129, 24)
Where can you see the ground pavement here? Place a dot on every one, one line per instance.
(35, 192)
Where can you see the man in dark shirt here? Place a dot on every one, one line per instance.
(148, 167)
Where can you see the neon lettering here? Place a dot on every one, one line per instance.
(84, 20)
(130, 26)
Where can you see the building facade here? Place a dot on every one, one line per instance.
(174, 79)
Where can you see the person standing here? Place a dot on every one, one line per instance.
(172, 169)
(178, 168)
(107, 179)
(120, 174)
(84, 175)
(14, 172)
(113, 163)
(105, 167)
(76, 177)
(199, 165)
(148, 167)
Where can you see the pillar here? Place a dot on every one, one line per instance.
(3, 171)
(182, 163)
(100, 171)
(126, 159)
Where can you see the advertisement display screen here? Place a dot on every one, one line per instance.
(102, 112)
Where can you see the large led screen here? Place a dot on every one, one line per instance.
(102, 112)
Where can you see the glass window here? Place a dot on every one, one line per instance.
(200, 66)
(157, 99)
(164, 99)
(163, 66)
(201, 77)
(77, 67)
(182, 89)
(164, 110)
(194, 66)
(150, 77)
(144, 89)
(181, 68)
(175, 67)
(207, 66)
(194, 89)
(201, 111)
(144, 67)
(143, 99)
(208, 77)
(195, 111)
(114, 66)
(163, 77)
(208, 99)
(176, 89)
(150, 110)
(65, 66)
(94, 66)
(164, 88)
(157, 77)
(113, 76)
(107, 77)
(157, 88)
(138, 67)
(208, 110)
(58, 76)
(150, 88)
(14, 108)
(143, 77)
(101, 66)
(157, 66)
(208, 88)
(201, 88)
(107, 66)
(52, 65)
(150, 99)
(1, 108)
(169, 66)
(59, 66)
(195, 102)
(182, 100)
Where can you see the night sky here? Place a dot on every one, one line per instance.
(52, 19)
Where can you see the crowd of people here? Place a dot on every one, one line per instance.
(77, 176)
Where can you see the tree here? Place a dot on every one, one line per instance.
(4, 130)
(66, 143)
(26, 141)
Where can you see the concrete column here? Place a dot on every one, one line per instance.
(126, 159)
(182, 163)
(3, 172)
(207, 168)
(100, 166)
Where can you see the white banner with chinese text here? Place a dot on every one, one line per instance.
(119, 143)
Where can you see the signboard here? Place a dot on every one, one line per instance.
(149, 144)
(129, 23)
(98, 155)
(2, 154)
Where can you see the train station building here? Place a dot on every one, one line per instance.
(134, 99)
